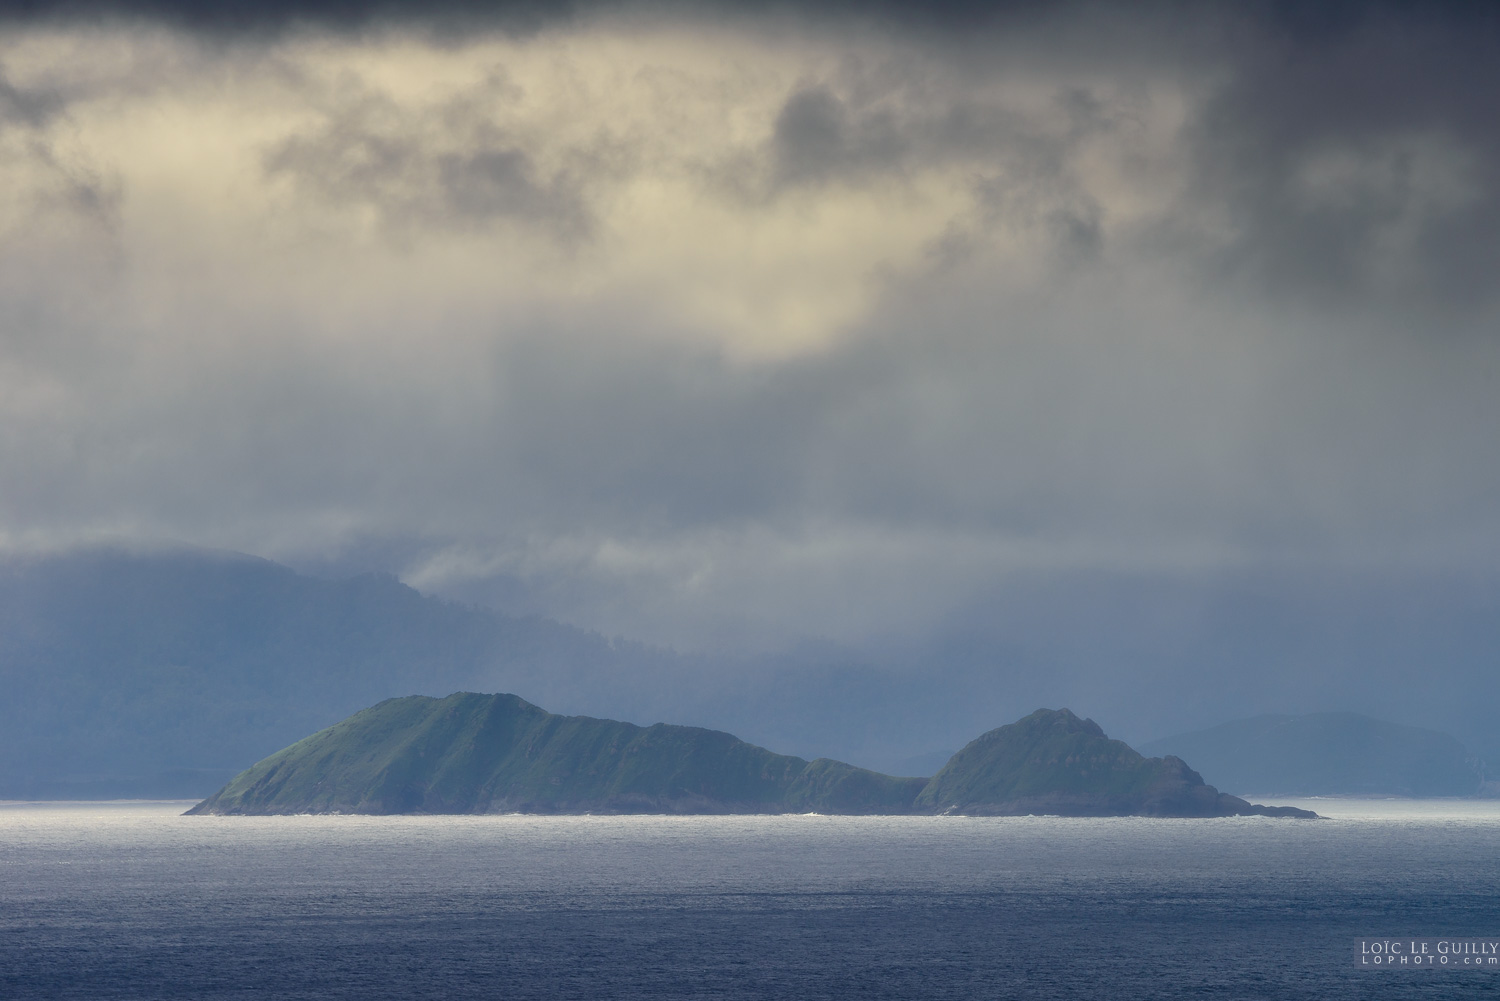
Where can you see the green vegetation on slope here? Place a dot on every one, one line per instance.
(162, 674)
(1054, 762)
(497, 753)
(1047, 752)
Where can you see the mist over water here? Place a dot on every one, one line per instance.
(134, 901)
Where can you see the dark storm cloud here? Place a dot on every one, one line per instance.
(63, 182)
(1360, 158)
(235, 16)
(444, 166)
(867, 126)
(816, 137)
(30, 106)
(1345, 149)
(885, 123)
(230, 17)
(1343, 152)
(1307, 22)
(738, 330)
(1324, 158)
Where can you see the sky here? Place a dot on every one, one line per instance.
(1146, 353)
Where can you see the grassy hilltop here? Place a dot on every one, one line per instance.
(1054, 762)
(498, 753)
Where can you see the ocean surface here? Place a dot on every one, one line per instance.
(131, 900)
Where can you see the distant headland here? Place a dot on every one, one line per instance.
(470, 753)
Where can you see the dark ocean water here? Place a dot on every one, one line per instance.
(132, 901)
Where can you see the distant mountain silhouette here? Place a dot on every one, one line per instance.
(159, 673)
(1327, 754)
(162, 673)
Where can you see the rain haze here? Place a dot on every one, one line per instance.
(1140, 359)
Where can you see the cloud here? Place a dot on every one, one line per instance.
(815, 137)
(34, 106)
(419, 165)
(1361, 167)
(269, 18)
(749, 330)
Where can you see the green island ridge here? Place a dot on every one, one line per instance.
(471, 753)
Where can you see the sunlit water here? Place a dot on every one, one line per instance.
(134, 901)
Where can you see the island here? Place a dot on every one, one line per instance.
(1052, 762)
(471, 753)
